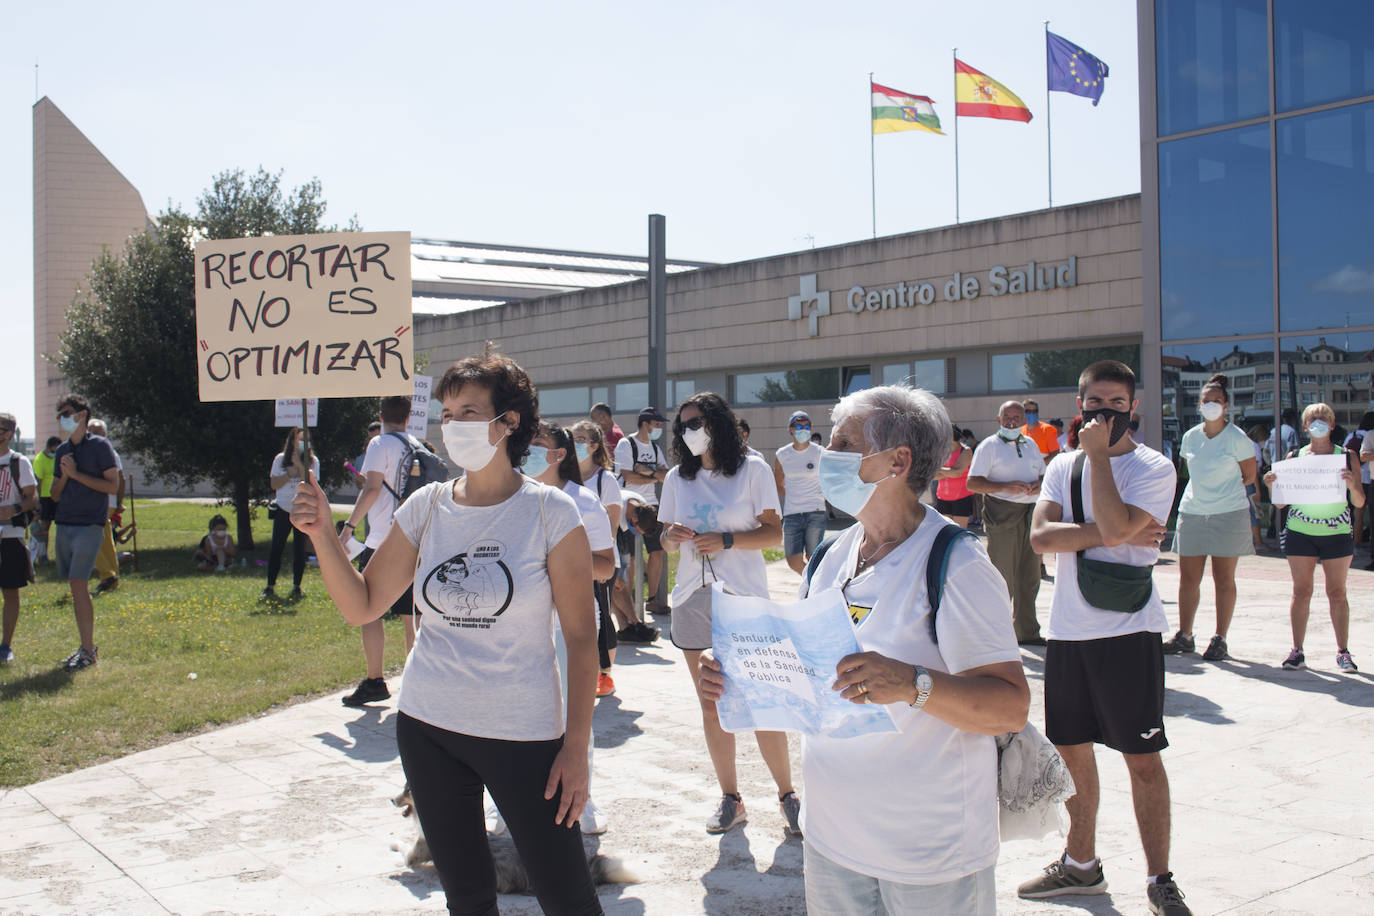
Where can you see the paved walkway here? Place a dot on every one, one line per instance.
(289, 813)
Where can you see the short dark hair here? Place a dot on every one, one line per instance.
(727, 445)
(375, 426)
(1367, 421)
(744, 425)
(1107, 370)
(53, 442)
(601, 407)
(77, 403)
(396, 410)
(511, 391)
(218, 520)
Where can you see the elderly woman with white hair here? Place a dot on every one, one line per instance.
(906, 821)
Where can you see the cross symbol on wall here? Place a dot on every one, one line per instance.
(809, 294)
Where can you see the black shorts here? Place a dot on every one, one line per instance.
(15, 568)
(47, 509)
(960, 508)
(1321, 546)
(625, 542)
(1109, 691)
(402, 605)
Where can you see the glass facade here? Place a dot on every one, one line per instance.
(1262, 207)
(1044, 370)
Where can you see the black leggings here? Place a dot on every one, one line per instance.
(605, 634)
(281, 527)
(447, 771)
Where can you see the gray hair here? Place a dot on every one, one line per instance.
(896, 415)
(97, 426)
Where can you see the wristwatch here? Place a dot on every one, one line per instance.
(923, 682)
(728, 540)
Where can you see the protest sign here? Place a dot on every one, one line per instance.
(289, 412)
(779, 662)
(1309, 480)
(310, 315)
(418, 424)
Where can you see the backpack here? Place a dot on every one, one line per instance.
(418, 467)
(19, 519)
(937, 563)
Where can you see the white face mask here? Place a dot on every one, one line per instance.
(467, 442)
(696, 440)
(1212, 410)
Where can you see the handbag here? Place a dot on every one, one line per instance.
(1105, 585)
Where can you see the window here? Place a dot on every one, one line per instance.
(1264, 397)
(1214, 234)
(1262, 378)
(1308, 397)
(1307, 380)
(1359, 376)
(1326, 275)
(929, 374)
(787, 385)
(564, 402)
(1212, 62)
(632, 396)
(1192, 384)
(1046, 369)
(857, 378)
(1243, 381)
(1323, 52)
(679, 390)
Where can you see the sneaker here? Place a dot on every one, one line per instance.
(729, 814)
(81, 659)
(791, 814)
(593, 822)
(371, 690)
(1165, 898)
(1180, 644)
(1060, 878)
(646, 632)
(268, 594)
(604, 685)
(1216, 650)
(7, 654)
(296, 594)
(1294, 661)
(1343, 659)
(106, 585)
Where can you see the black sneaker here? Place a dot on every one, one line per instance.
(1216, 650)
(638, 632)
(268, 594)
(296, 594)
(1165, 898)
(371, 690)
(106, 585)
(1294, 661)
(80, 659)
(1180, 644)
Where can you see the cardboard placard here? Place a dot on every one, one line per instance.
(289, 412)
(418, 424)
(315, 315)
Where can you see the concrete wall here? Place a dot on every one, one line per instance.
(732, 318)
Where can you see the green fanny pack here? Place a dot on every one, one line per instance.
(1105, 585)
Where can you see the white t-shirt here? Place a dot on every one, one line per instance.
(750, 450)
(287, 491)
(483, 663)
(1001, 461)
(626, 452)
(919, 805)
(384, 454)
(715, 502)
(1146, 480)
(606, 487)
(593, 514)
(801, 478)
(9, 496)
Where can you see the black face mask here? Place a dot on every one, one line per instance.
(1120, 420)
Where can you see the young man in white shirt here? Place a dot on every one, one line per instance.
(18, 496)
(1104, 668)
(1007, 469)
(382, 488)
(642, 463)
(797, 475)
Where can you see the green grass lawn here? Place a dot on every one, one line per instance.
(165, 622)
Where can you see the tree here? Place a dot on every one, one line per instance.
(1061, 368)
(800, 385)
(129, 349)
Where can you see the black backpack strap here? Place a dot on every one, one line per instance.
(406, 458)
(1076, 487)
(814, 563)
(937, 564)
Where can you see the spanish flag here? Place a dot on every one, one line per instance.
(977, 95)
(895, 110)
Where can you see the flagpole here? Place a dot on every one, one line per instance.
(872, 161)
(955, 55)
(1049, 151)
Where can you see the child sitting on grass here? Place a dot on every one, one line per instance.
(216, 550)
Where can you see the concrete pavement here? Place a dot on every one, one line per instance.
(289, 812)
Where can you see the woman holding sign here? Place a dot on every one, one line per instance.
(288, 469)
(1213, 516)
(906, 821)
(1321, 532)
(719, 510)
(492, 556)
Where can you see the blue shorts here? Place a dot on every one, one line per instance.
(802, 531)
(77, 547)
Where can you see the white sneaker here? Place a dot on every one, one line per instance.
(593, 822)
(496, 824)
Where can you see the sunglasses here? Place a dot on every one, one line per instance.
(694, 423)
(66, 414)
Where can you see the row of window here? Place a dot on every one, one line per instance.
(623, 397)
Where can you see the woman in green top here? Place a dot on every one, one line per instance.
(1213, 516)
(1321, 532)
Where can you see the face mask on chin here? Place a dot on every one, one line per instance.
(1011, 435)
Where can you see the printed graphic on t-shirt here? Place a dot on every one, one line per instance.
(703, 517)
(473, 588)
(858, 613)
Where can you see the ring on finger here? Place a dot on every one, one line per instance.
(863, 687)
(867, 698)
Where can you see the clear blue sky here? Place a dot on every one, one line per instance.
(562, 125)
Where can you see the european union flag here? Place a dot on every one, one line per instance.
(1071, 69)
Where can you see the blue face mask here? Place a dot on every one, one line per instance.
(1318, 429)
(802, 436)
(583, 450)
(1032, 418)
(655, 433)
(840, 483)
(67, 424)
(1011, 435)
(538, 461)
